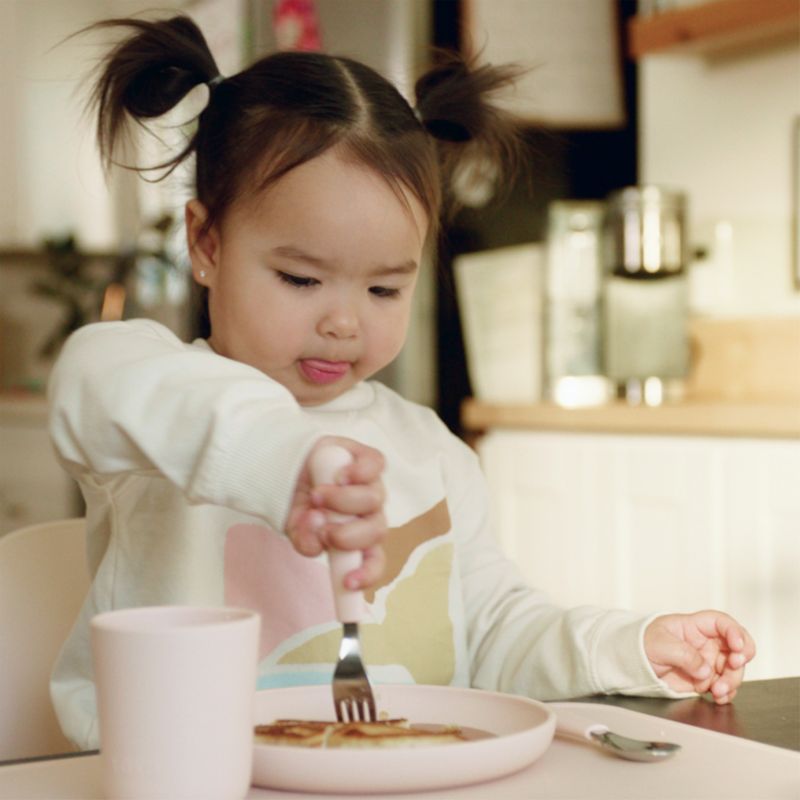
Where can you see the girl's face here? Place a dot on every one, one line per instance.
(311, 281)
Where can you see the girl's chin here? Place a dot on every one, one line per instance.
(308, 402)
(318, 395)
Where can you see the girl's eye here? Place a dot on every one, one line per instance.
(383, 291)
(297, 281)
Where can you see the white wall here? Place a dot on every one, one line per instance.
(46, 150)
(50, 174)
(720, 127)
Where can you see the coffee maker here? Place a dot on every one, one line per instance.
(645, 294)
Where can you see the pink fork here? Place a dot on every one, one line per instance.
(352, 694)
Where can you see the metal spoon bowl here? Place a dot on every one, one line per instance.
(635, 749)
(573, 724)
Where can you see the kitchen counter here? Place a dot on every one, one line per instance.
(692, 418)
(23, 408)
(744, 382)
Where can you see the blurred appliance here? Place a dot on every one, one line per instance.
(645, 293)
(573, 364)
(500, 299)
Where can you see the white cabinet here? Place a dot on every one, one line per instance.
(33, 486)
(657, 523)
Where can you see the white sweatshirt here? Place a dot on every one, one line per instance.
(188, 460)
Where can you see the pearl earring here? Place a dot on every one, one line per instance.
(202, 273)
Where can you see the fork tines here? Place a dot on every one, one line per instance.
(351, 709)
(352, 693)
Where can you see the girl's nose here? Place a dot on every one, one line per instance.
(340, 322)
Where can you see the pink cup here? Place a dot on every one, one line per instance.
(175, 695)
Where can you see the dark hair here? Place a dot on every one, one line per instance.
(289, 107)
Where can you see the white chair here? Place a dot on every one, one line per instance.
(43, 581)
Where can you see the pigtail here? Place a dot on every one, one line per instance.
(145, 75)
(455, 105)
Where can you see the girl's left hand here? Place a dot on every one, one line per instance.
(702, 652)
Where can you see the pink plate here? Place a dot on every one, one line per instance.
(523, 730)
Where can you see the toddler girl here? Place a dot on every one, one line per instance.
(317, 189)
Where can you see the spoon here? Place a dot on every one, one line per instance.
(574, 725)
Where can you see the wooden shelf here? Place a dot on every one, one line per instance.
(780, 421)
(21, 256)
(714, 25)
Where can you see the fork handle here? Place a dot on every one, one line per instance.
(325, 463)
(349, 604)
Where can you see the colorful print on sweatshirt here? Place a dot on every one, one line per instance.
(407, 632)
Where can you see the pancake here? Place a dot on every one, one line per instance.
(293, 733)
(384, 733)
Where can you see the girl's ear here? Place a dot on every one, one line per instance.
(203, 243)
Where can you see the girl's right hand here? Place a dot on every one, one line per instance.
(359, 494)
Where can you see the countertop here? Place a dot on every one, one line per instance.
(23, 408)
(744, 381)
(690, 417)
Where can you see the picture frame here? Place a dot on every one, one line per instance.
(570, 53)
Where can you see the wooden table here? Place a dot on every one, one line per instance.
(764, 711)
(727, 768)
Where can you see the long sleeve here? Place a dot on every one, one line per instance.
(518, 640)
(131, 397)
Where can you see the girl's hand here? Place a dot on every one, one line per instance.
(357, 493)
(701, 652)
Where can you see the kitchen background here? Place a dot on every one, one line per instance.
(691, 503)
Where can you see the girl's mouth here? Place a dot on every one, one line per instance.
(319, 371)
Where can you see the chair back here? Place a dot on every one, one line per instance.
(43, 581)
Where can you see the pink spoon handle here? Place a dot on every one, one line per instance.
(325, 464)
(576, 725)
